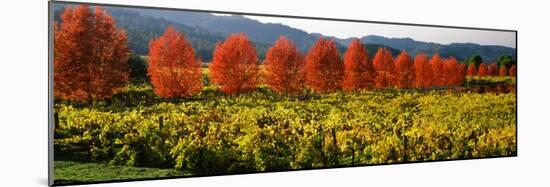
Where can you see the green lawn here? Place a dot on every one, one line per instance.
(71, 172)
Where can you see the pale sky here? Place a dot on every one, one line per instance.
(428, 34)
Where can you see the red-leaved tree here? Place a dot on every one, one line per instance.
(90, 55)
(438, 71)
(463, 73)
(492, 69)
(482, 70)
(403, 71)
(422, 71)
(512, 71)
(383, 63)
(235, 65)
(453, 72)
(324, 69)
(173, 69)
(472, 70)
(358, 69)
(503, 71)
(283, 67)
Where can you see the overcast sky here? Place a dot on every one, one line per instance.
(429, 34)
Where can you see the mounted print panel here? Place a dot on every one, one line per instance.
(141, 93)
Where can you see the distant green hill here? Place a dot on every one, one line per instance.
(141, 29)
(204, 30)
(269, 32)
(259, 32)
(460, 51)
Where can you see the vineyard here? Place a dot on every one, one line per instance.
(264, 131)
(171, 114)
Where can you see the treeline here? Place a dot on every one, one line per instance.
(483, 70)
(91, 63)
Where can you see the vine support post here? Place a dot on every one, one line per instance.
(161, 122)
(55, 120)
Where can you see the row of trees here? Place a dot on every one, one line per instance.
(492, 69)
(90, 60)
(235, 68)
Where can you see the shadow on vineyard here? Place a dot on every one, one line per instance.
(491, 85)
(142, 94)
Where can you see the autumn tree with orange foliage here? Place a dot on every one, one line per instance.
(358, 69)
(422, 71)
(235, 65)
(173, 69)
(463, 73)
(403, 71)
(472, 70)
(512, 71)
(482, 70)
(90, 55)
(383, 63)
(324, 69)
(454, 73)
(283, 67)
(492, 70)
(438, 71)
(503, 71)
